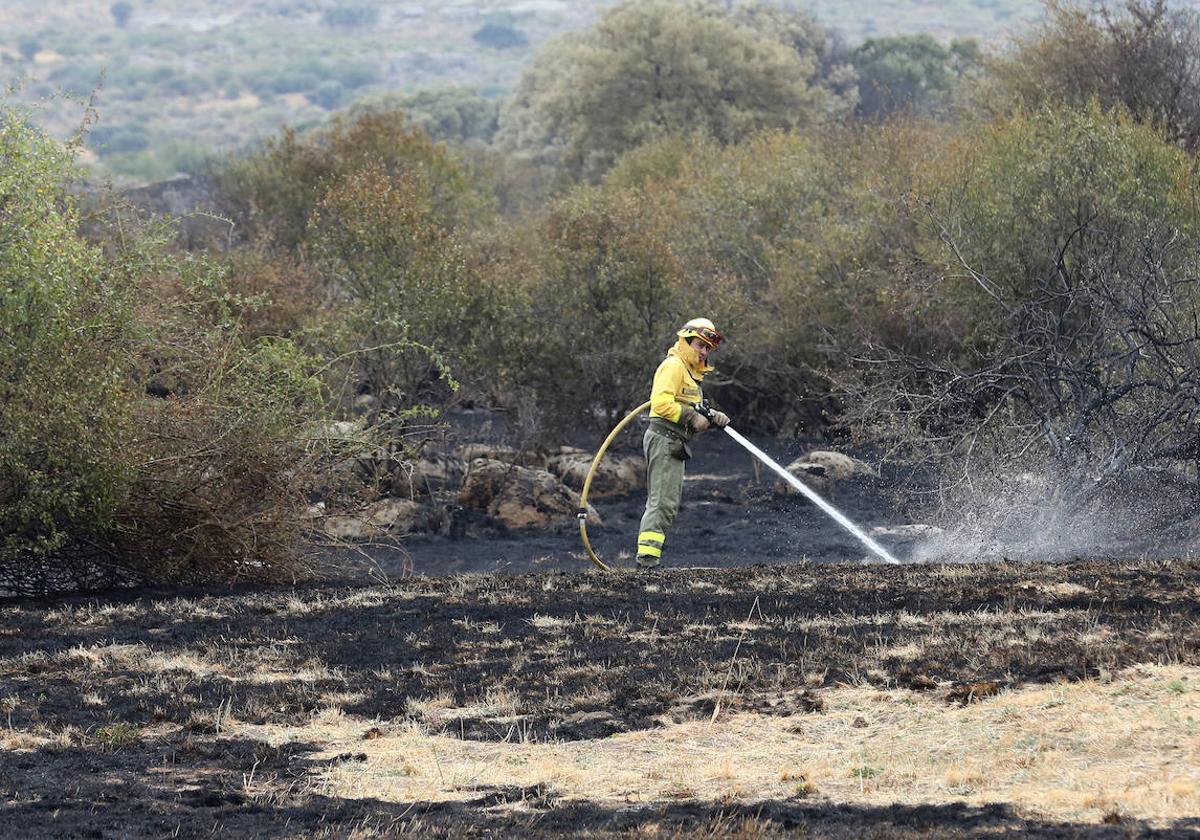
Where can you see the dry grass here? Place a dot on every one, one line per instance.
(1075, 751)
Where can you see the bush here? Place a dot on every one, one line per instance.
(116, 139)
(101, 482)
(328, 94)
(225, 459)
(379, 245)
(271, 193)
(350, 16)
(1058, 274)
(599, 312)
(65, 329)
(500, 37)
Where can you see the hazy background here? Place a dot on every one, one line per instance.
(177, 81)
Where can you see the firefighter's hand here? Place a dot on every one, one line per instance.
(720, 419)
(698, 422)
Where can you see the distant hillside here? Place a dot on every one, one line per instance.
(178, 80)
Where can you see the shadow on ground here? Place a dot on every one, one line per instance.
(239, 788)
(124, 698)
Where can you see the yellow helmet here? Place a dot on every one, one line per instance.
(703, 329)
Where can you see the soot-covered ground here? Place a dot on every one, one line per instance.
(120, 713)
(731, 516)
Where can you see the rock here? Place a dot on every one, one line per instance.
(343, 429)
(468, 452)
(394, 474)
(518, 496)
(386, 516)
(616, 475)
(346, 527)
(397, 516)
(821, 468)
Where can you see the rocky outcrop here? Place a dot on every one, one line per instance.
(519, 497)
(821, 469)
(615, 476)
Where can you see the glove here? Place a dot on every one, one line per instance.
(720, 419)
(697, 422)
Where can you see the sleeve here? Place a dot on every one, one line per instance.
(667, 384)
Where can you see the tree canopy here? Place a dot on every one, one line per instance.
(652, 69)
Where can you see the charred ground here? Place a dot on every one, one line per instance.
(121, 712)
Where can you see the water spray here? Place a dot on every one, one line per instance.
(795, 482)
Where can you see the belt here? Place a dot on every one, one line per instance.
(669, 429)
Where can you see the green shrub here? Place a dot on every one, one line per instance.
(500, 37)
(600, 310)
(328, 94)
(271, 193)
(100, 481)
(65, 328)
(353, 15)
(116, 139)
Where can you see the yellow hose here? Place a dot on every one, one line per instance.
(587, 484)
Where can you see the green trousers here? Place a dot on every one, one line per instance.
(664, 489)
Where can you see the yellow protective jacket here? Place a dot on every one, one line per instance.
(677, 384)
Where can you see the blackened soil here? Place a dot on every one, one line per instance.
(135, 689)
(731, 515)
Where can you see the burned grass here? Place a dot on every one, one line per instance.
(324, 709)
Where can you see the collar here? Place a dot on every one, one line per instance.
(687, 354)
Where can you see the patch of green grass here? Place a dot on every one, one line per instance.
(117, 735)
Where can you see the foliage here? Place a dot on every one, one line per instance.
(272, 192)
(378, 240)
(350, 15)
(1065, 285)
(913, 73)
(647, 70)
(451, 114)
(1143, 56)
(99, 480)
(226, 456)
(64, 325)
(121, 12)
(780, 237)
(599, 312)
(499, 36)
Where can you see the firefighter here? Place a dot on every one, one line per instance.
(673, 423)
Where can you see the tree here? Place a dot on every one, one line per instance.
(910, 73)
(451, 113)
(29, 47)
(498, 36)
(1142, 55)
(272, 192)
(350, 16)
(650, 69)
(121, 12)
